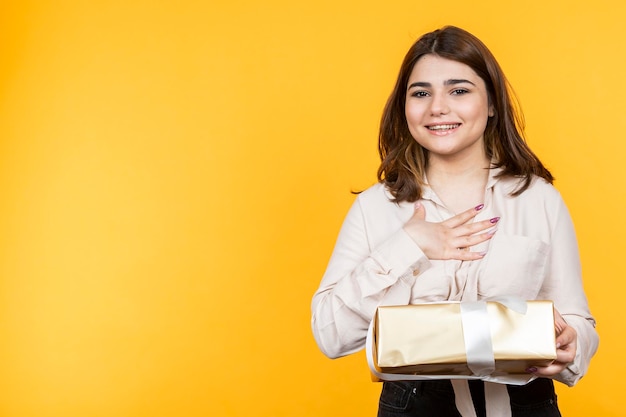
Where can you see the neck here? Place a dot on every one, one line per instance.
(459, 184)
(463, 170)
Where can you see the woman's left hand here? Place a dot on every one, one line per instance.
(565, 349)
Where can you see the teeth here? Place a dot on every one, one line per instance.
(443, 127)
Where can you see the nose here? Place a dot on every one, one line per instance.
(439, 105)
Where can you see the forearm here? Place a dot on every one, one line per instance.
(565, 288)
(350, 291)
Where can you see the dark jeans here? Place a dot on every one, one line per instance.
(436, 399)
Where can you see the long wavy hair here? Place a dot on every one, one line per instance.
(404, 161)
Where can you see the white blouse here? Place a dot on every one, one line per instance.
(533, 254)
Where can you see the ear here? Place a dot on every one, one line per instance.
(492, 110)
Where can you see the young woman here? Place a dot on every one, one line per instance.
(463, 210)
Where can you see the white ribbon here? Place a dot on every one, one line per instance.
(477, 336)
(477, 333)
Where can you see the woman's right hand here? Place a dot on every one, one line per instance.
(450, 239)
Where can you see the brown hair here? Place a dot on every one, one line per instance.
(404, 161)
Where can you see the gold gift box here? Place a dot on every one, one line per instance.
(427, 339)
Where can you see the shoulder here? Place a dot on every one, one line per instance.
(374, 192)
(377, 202)
(540, 199)
(538, 190)
(377, 214)
(378, 195)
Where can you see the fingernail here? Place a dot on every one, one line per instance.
(417, 205)
(482, 254)
(494, 220)
(479, 207)
(558, 345)
(531, 370)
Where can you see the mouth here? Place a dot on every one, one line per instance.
(443, 127)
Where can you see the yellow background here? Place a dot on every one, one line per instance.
(173, 175)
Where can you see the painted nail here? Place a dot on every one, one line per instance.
(494, 220)
(531, 370)
(479, 207)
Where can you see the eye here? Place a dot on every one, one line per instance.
(419, 93)
(459, 91)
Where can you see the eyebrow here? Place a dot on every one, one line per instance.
(452, 81)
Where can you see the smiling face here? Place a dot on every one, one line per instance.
(447, 108)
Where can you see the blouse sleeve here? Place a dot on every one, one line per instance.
(564, 286)
(361, 275)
